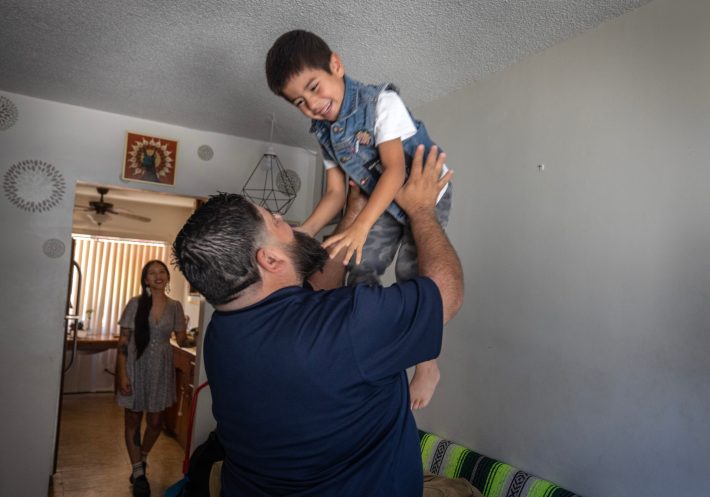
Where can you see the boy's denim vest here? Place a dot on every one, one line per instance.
(350, 141)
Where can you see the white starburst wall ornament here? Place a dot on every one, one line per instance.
(34, 185)
(53, 248)
(8, 113)
(205, 152)
(289, 181)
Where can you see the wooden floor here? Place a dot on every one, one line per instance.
(92, 459)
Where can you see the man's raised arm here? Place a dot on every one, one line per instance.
(436, 256)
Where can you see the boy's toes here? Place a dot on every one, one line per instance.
(420, 403)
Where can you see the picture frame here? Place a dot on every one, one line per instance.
(149, 159)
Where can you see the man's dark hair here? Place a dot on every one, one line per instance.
(293, 52)
(216, 249)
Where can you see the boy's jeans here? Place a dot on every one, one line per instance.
(385, 237)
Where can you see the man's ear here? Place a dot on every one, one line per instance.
(270, 259)
(336, 65)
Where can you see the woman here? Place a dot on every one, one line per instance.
(144, 365)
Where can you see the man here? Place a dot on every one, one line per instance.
(308, 383)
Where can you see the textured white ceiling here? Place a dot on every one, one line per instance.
(200, 63)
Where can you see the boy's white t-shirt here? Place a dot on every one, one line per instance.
(392, 121)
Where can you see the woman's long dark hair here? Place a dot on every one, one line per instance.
(141, 326)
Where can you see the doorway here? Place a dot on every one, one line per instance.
(115, 230)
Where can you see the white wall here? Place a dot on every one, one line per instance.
(84, 145)
(204, 421)
(582, 352)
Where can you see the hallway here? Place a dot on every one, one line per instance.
(93, 461)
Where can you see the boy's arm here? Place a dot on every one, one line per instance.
(393, 174)
(329, 205)
(392, 178)
(333, 273)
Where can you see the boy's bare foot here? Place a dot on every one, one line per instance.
(423, 384)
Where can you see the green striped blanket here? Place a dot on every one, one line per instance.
(493, 478)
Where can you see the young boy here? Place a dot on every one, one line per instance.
(367, 134)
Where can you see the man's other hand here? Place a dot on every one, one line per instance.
(424, 184)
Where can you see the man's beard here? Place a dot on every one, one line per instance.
(307, 254)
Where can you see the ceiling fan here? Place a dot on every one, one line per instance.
(98, 210)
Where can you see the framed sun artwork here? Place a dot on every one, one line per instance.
(149, 159)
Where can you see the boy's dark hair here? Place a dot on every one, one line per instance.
(293, 52)
(216, 249)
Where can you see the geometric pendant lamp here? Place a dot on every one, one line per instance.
(269, 184)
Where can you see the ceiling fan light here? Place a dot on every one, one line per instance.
(98, 218)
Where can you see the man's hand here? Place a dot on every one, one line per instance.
(424, 184)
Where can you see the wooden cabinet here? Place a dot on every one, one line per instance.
(177, 417)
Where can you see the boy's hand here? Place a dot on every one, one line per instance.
(352, 239)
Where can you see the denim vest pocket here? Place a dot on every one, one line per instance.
(374, 167)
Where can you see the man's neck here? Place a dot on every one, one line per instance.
(258, 292)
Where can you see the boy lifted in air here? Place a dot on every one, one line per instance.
(367, 134)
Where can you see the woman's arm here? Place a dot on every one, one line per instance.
(329, 205)
(181, 338)
(391, 180)
(180, 323)
(122, 380)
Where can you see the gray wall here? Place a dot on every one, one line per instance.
(582, 353)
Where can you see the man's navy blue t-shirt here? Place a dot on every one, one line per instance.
(310, 393)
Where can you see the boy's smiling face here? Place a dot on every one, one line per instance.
(316, 93)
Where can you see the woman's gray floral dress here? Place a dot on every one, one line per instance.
(153, 374)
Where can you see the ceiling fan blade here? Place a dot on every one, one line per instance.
(83, 207)
(98, 218)
(134, 216)
(129, 215)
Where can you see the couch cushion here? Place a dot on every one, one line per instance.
(493, 478)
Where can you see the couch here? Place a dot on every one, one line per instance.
(493, 478)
